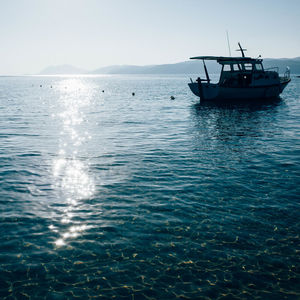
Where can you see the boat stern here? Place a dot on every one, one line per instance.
(194, 88)
(210, 91)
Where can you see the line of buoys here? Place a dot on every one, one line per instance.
(133, 93)
(42, 86)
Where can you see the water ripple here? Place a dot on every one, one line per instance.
(107, 195)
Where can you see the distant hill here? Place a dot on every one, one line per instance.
(62, 69)
(186, 67)
(194, 67)
(282, 63)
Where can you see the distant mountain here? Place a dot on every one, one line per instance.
(118, 69)
(62, 69)
(186, 67)
(195, 67)
(282, 63)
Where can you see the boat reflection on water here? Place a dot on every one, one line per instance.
(235, 120)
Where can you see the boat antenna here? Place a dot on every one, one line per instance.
(228, 42)
(241, 49)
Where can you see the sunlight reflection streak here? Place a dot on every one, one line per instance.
(70, 173)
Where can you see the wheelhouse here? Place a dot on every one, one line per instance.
(238, 72)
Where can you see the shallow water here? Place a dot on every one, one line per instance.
(109, 195)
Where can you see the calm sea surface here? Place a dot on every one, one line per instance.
(108, 195)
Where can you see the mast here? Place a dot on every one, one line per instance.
(206, 73)
(228, 43)
(241, 49)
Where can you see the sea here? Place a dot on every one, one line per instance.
(111, 189)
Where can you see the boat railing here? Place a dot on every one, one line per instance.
(200, 80)
(287, 74)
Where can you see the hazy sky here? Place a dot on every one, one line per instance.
(94, 33)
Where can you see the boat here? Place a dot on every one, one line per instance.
(241, 78)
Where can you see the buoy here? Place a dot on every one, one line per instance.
(172, 97)
(40, 85)
(133, 94)
(102, 91)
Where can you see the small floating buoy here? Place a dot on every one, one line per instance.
(133, 94)
(172, 98)
(102, 91)
(40, 85)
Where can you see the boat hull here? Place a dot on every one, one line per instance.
(212, 92)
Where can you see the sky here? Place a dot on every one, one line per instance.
(89, 34)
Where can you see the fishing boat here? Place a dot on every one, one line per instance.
(240, 78)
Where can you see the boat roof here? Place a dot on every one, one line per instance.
(228, 59)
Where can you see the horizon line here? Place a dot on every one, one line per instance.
(88, 72)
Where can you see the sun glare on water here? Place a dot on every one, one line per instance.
(70, 168)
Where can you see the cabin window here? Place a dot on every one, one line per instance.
(248, 67)
(258, 67)
(236, 67)
(226, 68)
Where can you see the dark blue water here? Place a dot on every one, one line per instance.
(107, 195)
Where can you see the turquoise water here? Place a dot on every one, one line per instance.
(108, 195)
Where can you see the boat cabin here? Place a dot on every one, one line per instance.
(243, 72)
(239, 71)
